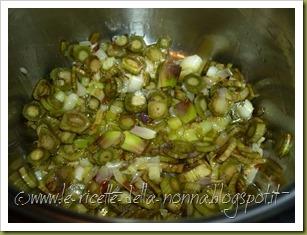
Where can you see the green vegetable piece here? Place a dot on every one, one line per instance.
(204, 147)
(220, 105)
(193, 83)
(46, 139)
(200, 105)
(165, 42)
(80, 53)
(116, 51)
(132, 65)
(256, 130)
(32, 111)
(166, 186)
(93, 103)
(52, 105)
(133, 143)
(171, 168)
(154, 54)
(168, 74)
(74, 122)
(126, 122)
(135, 102)
(37, 156)
(104, 156)
(110, 138)
(28, 177)
(180, 146)
(94, 64)
(120, 40)
(192, 187)
(284, 144)
(157, 109)
(136, 44)
(67, 137)
(174, 123)
(41, 89)
(110, 89)
(158, 95)
(203, 208)
(195, 174)
(186, 111)
(81, 143)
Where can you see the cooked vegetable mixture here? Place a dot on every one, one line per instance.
(129, 117)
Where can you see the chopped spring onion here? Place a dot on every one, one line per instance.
(243, 110)
(191, 64)
(135, 83)
(193, 83)
(284, 144)
(146, 120)
(256, 130)
(143, 132)
(136, 44)
(135, 102)
(74, 122)
(195, 174)
(165, 42)
(120, 40)
(133, 143)
(185, 110)
(70, 102)
(168, 74)
(110, 138)
(32, 111)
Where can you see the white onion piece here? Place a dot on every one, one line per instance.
(79, 171)
(191, 63)
(100, 53)
(244, 109)
(39, 174)
(81, 90)
(256, 148)
(104, 173)
(119, 177)
(70, 102)
(150, 68)
(108, 63)
(212, 71)
(104, 107)
(60, 96)
(113, 165)
(224, 73)
(135, 83)
(210, 81)
(143, 132)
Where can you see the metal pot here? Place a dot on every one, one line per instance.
(258, 41)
